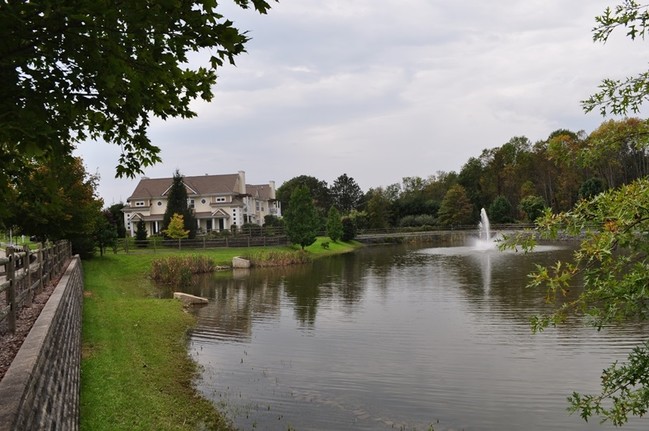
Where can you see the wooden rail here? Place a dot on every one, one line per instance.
(24, 273)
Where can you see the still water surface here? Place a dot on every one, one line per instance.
(397, 338)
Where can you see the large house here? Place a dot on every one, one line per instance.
(219, 202)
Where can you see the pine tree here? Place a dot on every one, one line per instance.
(177, 204)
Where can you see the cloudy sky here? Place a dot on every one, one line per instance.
(385, 89)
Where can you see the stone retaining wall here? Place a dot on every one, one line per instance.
(40, 391)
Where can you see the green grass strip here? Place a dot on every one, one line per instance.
(136, 373)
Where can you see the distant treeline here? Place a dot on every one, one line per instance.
(514, 182)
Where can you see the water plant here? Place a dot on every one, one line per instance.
(178, 270)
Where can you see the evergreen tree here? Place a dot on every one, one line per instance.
(302, 221)
(500, 210)
(176, 228)
(334, 224)
(140, 234)
(346, 194)
(177, 204)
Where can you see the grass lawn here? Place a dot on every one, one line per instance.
(135, 370)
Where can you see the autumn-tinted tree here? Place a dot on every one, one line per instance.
(346, 194)
(176, 228)
(177, 204)
(334, 225)
(57, 201)
(612, 259)
(302, 220)
(456, 209)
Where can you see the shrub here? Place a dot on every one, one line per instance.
(265, 258)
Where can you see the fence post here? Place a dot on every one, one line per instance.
(11, 291)
(41, 263)
(28, 268)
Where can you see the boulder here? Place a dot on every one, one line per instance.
(239, 262)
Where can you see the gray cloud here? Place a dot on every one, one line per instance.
(383, 90)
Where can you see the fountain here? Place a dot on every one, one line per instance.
(485, 241)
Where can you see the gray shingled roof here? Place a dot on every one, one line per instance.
(149, 188)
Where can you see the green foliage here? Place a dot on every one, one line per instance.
(591, 187)
(105, 231)
(349, 229)
(456, 209)
(625, 390)
(334, 224)
(141, 233)
(533, 206)
(500, 210)
(73, 72)
(417, 221)
(118, 218)
(319, 192)
(616, 96)
(176, 229)
(346, 194)
(302, 220)
(251, 229)
(56, 200)
(177, 204)
(613, 260)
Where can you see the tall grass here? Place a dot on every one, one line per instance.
(274, 257)
(178, 270)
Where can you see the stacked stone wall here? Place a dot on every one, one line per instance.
(40, 391)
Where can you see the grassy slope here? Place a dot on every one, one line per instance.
(136, 374)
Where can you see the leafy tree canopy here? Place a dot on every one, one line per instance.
(334, 224)
(302, 220)
(86, 69)
(176, 228)
(319, 191)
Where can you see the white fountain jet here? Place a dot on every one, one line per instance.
(485, 242)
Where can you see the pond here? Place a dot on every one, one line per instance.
(398, 337)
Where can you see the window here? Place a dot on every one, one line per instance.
(159, 203)
(202, 201)
(139, 203)
(220, 199)
(191, 203)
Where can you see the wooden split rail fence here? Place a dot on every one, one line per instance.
(24, 273)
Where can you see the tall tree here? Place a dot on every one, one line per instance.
(177, 204)
(57, 200)
(346, 194)
(456, 208)
(334, 225)
(302, 220)
(85, 69)
(319, 191)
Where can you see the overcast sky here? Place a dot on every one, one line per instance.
(383, 89)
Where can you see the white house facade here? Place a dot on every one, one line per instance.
(219, 202)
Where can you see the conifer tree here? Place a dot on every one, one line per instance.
(177, 204)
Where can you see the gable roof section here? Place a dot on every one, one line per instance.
(261, 191)
(149, 188)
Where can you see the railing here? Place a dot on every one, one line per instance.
(24, 273)
(130, 245)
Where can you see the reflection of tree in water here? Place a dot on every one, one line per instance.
(236, 300)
